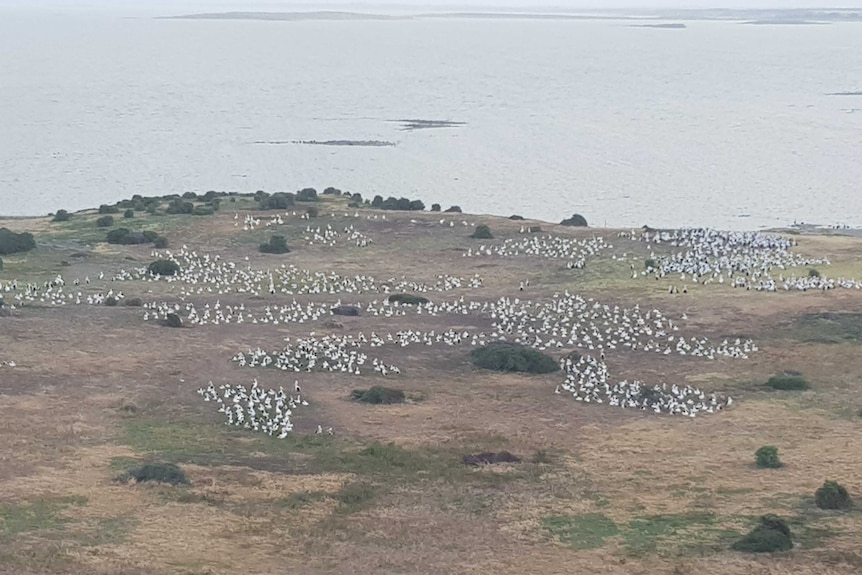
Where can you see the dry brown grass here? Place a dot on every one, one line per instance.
(90, 378)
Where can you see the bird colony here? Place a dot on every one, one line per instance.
(255, 408)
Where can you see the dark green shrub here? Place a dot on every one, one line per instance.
(357, 197)
(330, 191)
(505, 356)
(378, 395)
(832, 495)
(190, 196)
(770, 536)
(813, 273)
(454, 209)
(106, 209)
(354, 205)
(650, 264)
(407, 299)
(312, 211)
(767, 457)
(111, 301)
(173, 320)
(62, 216)
(12, 243)
(1, 267)
(435, 207)
(377, 202)
(160, 473)
(105, 222)
(160, 242)
(416, 205)
(178, 206)
(130, 213)
(516, 217)
(117, 236)
(163, 268)
(306, 195)
(203, 211)
(576, 220)
(134, 302)
(278, 201)
(150, 235)
(482, 232)
(276, 245)
(786, 382)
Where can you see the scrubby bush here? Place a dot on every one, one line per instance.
(123, 236)
(276, 245)
(576, 220)
(312, 212)
(767, 457)
(787, 381)
(106, 209)
(173, 320)
(62, 216)
(771, 535)
(516, 217)
(832, 495)
(150, 235)
(1, 268)
(163, 268)
(306, 195)
(12, 243)
(436, 207)
(650, 264)
(490, 458)
(178, 206)
(280, 201)
(330, 191)
(454, 209)
(111, 301)
(203, 211)
(130, 213)
(105, 222)
(377, 201)
(160, 242)
(134, 302)
(505, 356)
(160, 473)
(378, 395)
(482, 232)
(357, 198)
(407, 299)
(190, 196)
(347, 310)
(813, 273)
(416, 205)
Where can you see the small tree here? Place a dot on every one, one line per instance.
(767, 457)
(832, 495)
(62, 216)
(130, 213)
(306, 195)
(482, 232)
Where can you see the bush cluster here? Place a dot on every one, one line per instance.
(306, 195)
(276, 245)
(179, 206)
(408, 299)
(393, 203)
(158, 472)
(832, 495)
(767, 457)
(506, 356)
(62, 216)
(771, 535)
(279, 201)
(378, 395)
(12, 243)
(203, 211)
(106, 209)
(482, 232)
(163, 268)
(123, 236)
(330, 191)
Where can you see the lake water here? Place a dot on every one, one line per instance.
(720, 124)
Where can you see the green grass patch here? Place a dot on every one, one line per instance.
(587, 531)
(646, 534)
(355, 496)
(42, 514)
(828, 327)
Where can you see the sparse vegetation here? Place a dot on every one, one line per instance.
(277, 245)
(767, 457)
(787, 381)
(378, 395)
(505, 356)
(482, 232)
(158, 473)
(771, 535)
(490, 458)
(408, 299)
(832, 495)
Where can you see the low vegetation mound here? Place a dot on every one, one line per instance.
(576, 220)
(163, 268)
(378, 395)
(348, 310)
(12, 243)
(489, 458)
(105, 222)
(832, 495)
(276, 245)
(393, 203)
(505, 356)
(789, 380)
(173, 320)
(482, 232)
(306, 195)
(279, 201)
(159, 473)
(408, 299)
(62, 216)
(453, 210)
(134, 302)
(767, 457)
(770, 536)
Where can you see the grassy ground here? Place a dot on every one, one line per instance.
(96, 391)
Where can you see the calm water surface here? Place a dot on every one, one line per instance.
(721, 124)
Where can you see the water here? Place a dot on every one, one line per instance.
(720, 124)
